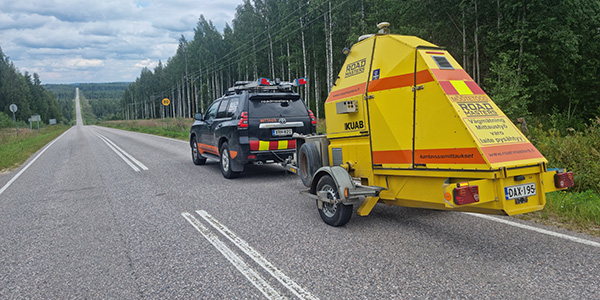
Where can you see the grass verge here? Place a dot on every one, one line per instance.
(177, 128)
(15, 150)
(579, 211)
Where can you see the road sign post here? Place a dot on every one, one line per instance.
(14, 108)
(165, 103)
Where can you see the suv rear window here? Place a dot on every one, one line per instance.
(262, 108)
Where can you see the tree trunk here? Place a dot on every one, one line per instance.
(288, 62)
(306, 87)
(330, 56)
(271, 62)
(477, 44)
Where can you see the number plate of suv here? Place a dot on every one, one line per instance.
(282, 132)
(519, 191)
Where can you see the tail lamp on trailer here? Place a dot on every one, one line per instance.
(564, 180)
(465, 194)
(313, 120)
(243, 123)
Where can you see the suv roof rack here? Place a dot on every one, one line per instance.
(264, 85)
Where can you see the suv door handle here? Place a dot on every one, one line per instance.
(219, 126)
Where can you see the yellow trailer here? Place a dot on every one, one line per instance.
(407, 126)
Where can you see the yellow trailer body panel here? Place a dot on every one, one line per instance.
(404, 116)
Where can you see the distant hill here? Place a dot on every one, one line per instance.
(103, 97)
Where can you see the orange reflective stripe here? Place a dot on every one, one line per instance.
(208, 148)
(504, 153)
(347, 92)
(446, 75)
(430, 156)
(400, 81)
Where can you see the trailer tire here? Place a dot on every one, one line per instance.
(333, 214)
(308, 162)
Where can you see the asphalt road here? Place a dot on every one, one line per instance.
(86, 221)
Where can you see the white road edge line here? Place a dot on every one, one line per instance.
(540, 230)
(237, 261)
(126, 154)
(118, 153)
(257, 257)
(31, 162)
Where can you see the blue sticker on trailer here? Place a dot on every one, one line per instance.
(376, 74)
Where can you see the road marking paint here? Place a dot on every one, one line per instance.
(142, 166)
(146, 134)
(257, 257)
(540, 230)
(118, 153)
(234, 259)
(31, 162)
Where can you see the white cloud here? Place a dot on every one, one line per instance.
(69, 41)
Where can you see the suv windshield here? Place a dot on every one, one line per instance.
(277, 108)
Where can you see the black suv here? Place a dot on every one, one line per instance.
(252, 123)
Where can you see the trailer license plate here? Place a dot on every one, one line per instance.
(519, 191)
(282, 132)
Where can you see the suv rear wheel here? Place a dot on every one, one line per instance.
(226, 162)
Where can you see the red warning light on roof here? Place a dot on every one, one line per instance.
(264, 81)
(301, 81)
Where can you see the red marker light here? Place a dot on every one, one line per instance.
(301, 81)
(264, 81)
(564, 180)
(466, 194)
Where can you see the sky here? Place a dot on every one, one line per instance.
(82, 41)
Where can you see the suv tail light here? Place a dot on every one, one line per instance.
(466, 194)
(313, 120)
(564, 180)
(243, 123)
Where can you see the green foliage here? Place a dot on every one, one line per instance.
(177, 128)
(581, 208)
(578, 152)
(104, 99)
(6, 121)
(26, 92)
(15, 150)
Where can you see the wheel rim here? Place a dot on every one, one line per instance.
(195, 149)
(329, 209)
(225, 160)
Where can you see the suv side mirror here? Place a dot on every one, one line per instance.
(198, 117)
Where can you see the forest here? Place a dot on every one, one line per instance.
(104, 98)
(534, 58)
(26, 91)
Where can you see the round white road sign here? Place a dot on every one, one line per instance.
(13, 108)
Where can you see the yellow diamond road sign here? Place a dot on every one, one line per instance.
(166, 101)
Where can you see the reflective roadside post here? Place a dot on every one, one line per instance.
(166, 103)
(13, 107)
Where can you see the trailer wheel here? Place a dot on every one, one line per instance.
(333, 214)
(308, 162)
